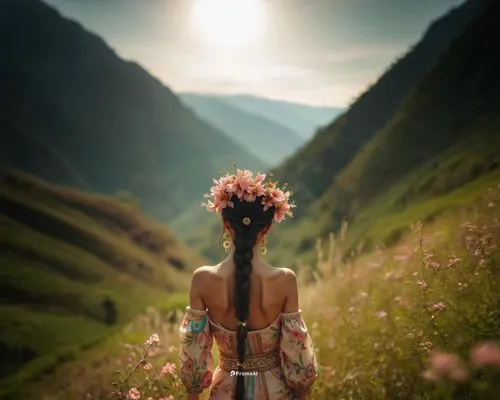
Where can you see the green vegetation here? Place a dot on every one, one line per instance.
(310, 171)
(74, 269)
(393, 312)
(442, 136)
(387, 326)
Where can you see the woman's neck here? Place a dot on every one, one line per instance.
(256, 259)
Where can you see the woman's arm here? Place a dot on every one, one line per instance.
(196, 339)
(296, 344)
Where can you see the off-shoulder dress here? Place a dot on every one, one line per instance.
(280, 361)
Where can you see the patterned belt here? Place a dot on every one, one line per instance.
(253, 362)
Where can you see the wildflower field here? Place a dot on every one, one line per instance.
(419, 320)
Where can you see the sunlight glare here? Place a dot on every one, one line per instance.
(229, 24)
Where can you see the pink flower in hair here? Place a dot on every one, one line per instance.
(247, 188)
(274, 196)
(241, 184)
(282, 210)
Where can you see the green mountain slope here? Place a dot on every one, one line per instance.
(74, 268)
(459, 98)
(311, 171)
(74, 113)
(444, 136)
(266, 139)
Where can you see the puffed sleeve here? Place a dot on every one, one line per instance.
(298, 358)
(195, 351)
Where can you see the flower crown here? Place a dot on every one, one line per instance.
(248, 188)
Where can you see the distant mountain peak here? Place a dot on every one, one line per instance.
(302, 119)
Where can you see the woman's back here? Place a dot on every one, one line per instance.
(272, 291)
(279, 364)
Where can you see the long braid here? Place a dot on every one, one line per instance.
(243, 243)
(244, 239)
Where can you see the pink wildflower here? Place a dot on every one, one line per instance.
(445, 367)
(437, 307)
(422, 285)
(134, 394)
(153, 339)
(168, 369)
(431, 261)
(453, 262)
(381, 314)
(485, 354)
(426, 345)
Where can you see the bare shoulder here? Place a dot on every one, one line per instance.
(202, 275)
(200, 283)
(287, 272)
(288, 276)
(204, 270)
(289, 284)
(286, 281)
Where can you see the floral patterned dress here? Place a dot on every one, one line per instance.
(280, 359)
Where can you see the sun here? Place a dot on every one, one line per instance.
(229, 24)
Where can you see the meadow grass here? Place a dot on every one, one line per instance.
(74, 269)
(419, 320)
(384, 324)
(90, 375)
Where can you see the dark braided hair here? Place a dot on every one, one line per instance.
(245, 237)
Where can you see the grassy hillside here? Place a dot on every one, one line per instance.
(266, 139)
(434, 295)
(74, 268)
(311, 171)
(74, 113)
(200, 230)
(436, 292)
(443, 136)
(449, 121)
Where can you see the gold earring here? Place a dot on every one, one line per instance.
(227, 241)
(263, 244)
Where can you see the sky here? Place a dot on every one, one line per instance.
(318, 52)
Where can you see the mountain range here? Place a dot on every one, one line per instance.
(302, 119)
(426, 128)
(435, 104)
(72, 112)
(267, 139)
